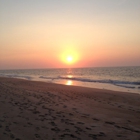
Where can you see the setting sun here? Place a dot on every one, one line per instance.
(69, 59)
(69, 56)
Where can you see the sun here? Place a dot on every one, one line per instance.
(69, 59)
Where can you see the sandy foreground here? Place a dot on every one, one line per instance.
(44, 111)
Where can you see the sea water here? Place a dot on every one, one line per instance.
(113, 78)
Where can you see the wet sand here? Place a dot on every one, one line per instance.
(44, 111)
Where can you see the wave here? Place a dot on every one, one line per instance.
(16, 76)
(126, 86)
(44, 77)
(108, 81)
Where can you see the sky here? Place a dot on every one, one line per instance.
(69, 33)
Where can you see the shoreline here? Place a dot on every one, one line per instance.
(41, 110)
(100, 86)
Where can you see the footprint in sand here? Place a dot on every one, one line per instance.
(80, 122)
(37, 135)
(56, 129)
(95, 119)
(12, 136)
(111, 123)
(69, 135)
(7, 129)
(93, 136)
(88, 128)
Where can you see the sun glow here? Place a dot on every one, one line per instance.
(69, 83)
(69, 57)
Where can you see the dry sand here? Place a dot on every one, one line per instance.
(44, 111)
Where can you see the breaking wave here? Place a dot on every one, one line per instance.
(126, 84)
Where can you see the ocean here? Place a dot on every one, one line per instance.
(112, 78)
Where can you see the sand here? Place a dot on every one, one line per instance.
(32, 110)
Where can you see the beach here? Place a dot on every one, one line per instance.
(31, 110)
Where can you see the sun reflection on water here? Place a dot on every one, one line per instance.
(69, 76)
(69, 83)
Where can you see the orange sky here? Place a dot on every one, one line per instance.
(42, 34)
